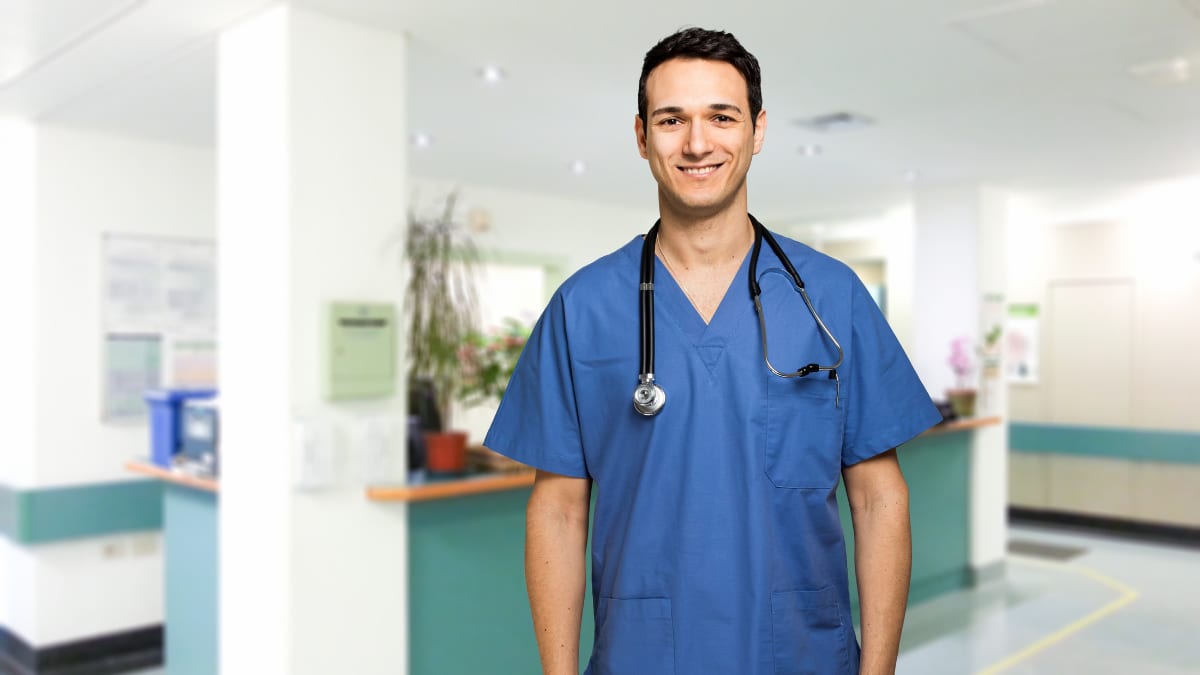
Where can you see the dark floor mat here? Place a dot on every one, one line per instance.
(1040, 550)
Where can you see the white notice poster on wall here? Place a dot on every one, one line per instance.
(159, 317)
(1022, 344)
(133, 288)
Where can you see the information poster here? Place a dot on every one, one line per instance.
(133, 364)
(1022, 344)
(159, 318)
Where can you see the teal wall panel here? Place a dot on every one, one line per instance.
(45, 515)
(468, 611)
(1180, 447)
(190, 557)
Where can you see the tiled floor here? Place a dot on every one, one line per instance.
(1116, 607)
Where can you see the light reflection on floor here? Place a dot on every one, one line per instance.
(1118, 607)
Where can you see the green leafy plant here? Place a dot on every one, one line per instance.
(440, 298)
(488, 361)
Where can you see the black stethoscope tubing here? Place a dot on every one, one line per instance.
(649, 397)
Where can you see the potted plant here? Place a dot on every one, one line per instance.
(962, 362)
(487, 363)
(440, 300)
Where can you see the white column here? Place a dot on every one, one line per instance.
(960, 281)
(18, 227)
(311, 176)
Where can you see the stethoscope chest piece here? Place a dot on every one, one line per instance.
(648, 397)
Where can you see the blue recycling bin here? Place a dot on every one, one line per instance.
(165, 405)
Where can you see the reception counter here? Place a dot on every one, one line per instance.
(468, 611)
(190, 564)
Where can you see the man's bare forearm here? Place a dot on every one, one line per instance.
(883, 564)
(555, 546)
(878, 499)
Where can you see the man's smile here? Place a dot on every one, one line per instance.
(700, 170)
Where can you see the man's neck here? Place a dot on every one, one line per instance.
(705, 242)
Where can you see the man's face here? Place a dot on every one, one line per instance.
(698, 136)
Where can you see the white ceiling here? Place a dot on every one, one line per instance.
(1024, 93)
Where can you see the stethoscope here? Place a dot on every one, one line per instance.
(649, 397)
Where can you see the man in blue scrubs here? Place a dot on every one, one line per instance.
(716, 542)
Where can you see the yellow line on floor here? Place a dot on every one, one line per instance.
(1128, 595)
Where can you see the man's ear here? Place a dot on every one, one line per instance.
(760, 130)
(639, 131)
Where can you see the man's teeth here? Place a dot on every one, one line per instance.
(699, 170)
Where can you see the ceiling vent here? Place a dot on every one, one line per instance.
(837, 121)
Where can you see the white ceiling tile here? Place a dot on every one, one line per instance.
(1056, 29)
(1051, 101)
(33, 32)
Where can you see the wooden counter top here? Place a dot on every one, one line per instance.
(472, 485)
(962, 425)
(485, 483)
(177, 477)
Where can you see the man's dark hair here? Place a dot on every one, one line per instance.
(711, 45)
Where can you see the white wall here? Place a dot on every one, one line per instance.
(89, 587)
(577, 232)
(90, 184)
(18, 574)
(18, 227)
(1146, 237)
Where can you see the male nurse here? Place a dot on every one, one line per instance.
(716, 542)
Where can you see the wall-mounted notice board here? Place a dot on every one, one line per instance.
(159, 317)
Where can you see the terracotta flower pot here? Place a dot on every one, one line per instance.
(962, 401)
(446, 451)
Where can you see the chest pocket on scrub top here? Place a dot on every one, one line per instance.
(804, 432)
(803, 437)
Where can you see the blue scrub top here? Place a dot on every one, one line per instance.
(716, 541)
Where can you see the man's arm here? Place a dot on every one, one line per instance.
(556, 527)
(878, 499)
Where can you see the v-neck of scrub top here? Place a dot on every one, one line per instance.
(708, 339)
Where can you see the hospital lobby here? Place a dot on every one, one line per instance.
(222, 221)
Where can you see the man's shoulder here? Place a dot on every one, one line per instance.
(810, 262)
(592, 281)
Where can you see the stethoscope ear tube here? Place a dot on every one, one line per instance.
(648, 396)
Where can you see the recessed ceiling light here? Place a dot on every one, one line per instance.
(1169, 71)
(578, 167)
(491, 74)
(421, 140)
(810, 150)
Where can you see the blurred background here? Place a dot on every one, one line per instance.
(265, 269)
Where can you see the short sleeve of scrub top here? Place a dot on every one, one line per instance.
(541, 421)
(888, 404)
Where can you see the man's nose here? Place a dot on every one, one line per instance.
(697, 140)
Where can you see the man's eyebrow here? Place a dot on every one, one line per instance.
(675, 110)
